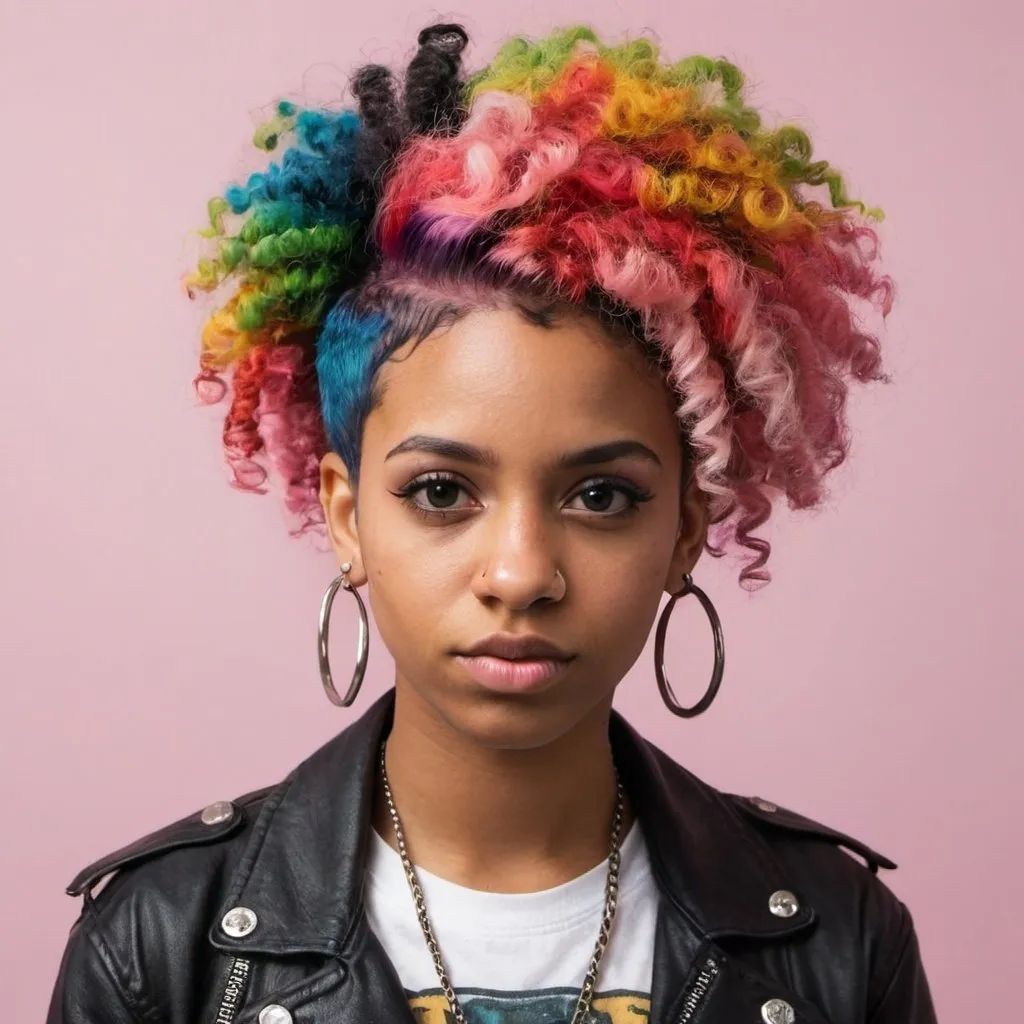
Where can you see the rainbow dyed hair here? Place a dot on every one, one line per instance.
(647, 194)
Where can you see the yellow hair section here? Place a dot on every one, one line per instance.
(639, 108)
(224, 343)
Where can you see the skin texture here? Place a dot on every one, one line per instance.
(512, 792)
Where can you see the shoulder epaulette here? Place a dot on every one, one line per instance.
(789, 821)
(215, 822)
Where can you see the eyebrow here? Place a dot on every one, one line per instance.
(464, 452)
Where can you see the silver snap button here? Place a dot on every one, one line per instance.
(239, 922)
(777, 1011)
(764, 805)
(222, 810)
(783, 903)
(275, 1014)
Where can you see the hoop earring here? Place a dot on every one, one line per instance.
(689, 587)
(341, 580)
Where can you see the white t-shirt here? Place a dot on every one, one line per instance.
(519, 958)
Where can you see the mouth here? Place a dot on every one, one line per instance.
(505, 675)
(516, 647)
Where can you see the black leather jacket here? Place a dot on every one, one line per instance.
(834, 946)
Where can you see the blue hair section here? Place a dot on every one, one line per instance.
(349, 352)
(311, 183)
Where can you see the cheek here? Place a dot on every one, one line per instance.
(410, 580)
(619, 630)
(402, 611)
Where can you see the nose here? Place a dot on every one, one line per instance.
(518, 565)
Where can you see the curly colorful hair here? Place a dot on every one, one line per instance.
(566, 172)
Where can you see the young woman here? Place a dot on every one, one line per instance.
(524, 344)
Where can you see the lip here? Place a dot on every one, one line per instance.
(516, 647)
(503, 675)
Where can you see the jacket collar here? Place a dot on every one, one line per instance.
(716, 869)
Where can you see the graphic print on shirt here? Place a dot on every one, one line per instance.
(545, 1006)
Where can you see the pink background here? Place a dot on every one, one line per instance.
(158, 627)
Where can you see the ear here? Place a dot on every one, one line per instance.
(693, 534)
(338, 498)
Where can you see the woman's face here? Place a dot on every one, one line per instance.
(518, 485)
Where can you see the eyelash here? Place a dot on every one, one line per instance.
(634, 494)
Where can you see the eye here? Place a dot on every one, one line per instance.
(443, 487)
(608, 487)
(438, 485)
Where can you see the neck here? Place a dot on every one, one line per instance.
(497, 819)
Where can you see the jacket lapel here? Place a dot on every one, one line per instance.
(716, 870)
(362, 988)
(716, 877)
(302, 876)
(302, 871)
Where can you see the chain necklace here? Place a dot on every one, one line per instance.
(581, 1015)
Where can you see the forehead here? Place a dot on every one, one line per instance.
(497, 379)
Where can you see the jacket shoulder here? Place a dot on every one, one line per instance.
(773, 818)
(211, 825)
